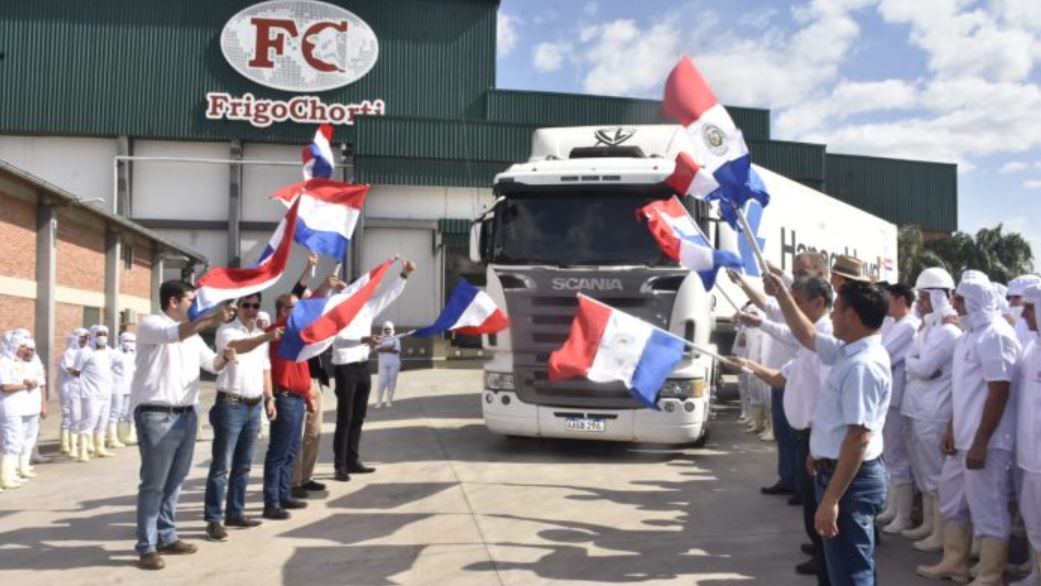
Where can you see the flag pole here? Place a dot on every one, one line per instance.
(750, 237)
(736, 307)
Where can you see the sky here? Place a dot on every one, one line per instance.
(955, 81)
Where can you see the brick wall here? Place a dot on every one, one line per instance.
(17, 312)
(137, 281)
(81, 255)
(17, 238)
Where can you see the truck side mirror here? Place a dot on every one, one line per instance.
(476, 233)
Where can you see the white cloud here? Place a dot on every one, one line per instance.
(548, 57)
(1013, 167)
(1032, 184)
(847, 99)
(758, 19)
(506, 34)
(625, 59)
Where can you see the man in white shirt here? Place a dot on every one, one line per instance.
(897, 336)
(974, 486)
(1028, 428)
(243, 393)
(927, 399)
(163, 396)
(351, 350)
(802, 378)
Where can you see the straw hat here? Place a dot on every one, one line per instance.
(851, 268)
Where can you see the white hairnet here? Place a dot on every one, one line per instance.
(1032, 295)
(95, 331)
(1001, 292)
(981, 298)
(264, 316)
(1017, 286)
(388, 325)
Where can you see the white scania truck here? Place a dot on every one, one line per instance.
(565, 222)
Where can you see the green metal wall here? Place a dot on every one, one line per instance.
(802, 162)
(903, 192)
(143, 67)
(555, 109)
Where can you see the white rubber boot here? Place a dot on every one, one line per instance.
(66, 442)
(955, 563)
(993, 559)
(9, 472)
(889, 512)
(25, 469)
(112, 437)
(935, 540)
(84, 448)
(91, 448)
(74, 444)
(99, 446)
(767, 435)
(131, 434)
(904, 497)
(926, 528)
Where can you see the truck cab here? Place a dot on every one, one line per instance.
(564, 223)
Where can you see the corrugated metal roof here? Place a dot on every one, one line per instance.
(903, 192)
(559, 109)
(475, 140)
(143, 67)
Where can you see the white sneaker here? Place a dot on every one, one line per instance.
(388, 404)
(377, 405)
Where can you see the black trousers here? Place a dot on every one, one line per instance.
(353, 383)
(807, 492)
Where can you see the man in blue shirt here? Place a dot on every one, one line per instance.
(846, 437)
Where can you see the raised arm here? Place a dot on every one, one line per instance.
(188, 329)
(754, 295)
(770, 376)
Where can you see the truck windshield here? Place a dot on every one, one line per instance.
(574, 228)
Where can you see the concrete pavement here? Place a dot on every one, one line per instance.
(449, 504)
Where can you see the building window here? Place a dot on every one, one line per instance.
(128, 257)
(91, 316)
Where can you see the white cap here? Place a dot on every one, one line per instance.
(127, 337)
(1019, 284)
(934, 278)
(388, 325)
(264, 316)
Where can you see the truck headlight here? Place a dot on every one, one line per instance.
(677, 389)
(499, 381)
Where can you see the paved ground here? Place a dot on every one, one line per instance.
(451, 504)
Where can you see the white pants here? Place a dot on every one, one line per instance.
(1030, 505)
(388, 381)
(20, 433)
(924, 440)
(66, 398)
(93, 414)
(979, 497)
(120, 410)
(894, 449)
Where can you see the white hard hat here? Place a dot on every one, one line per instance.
(934, 278)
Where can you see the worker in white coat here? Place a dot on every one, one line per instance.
(23, 403)
(123, 367)
(68, 388)
(927, 399)
(389, 365)
(897, 336)
(1028, 430)
(1016, 287)
(94, 363)
(975, 482)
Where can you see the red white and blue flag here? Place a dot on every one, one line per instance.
(329, 211)
(719, 147)
(470, 312)
(222, 284)
(318, 156)
(680, 240)
(316, 321)
(607, 345)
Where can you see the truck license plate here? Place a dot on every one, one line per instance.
(583, 424)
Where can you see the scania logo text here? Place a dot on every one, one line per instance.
(585, 284)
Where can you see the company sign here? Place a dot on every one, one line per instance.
(299, 45)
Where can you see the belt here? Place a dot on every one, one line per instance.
(828, 465)
(179, 409)
(229, 398)
(288, 393)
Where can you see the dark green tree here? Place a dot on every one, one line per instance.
(1001, 255)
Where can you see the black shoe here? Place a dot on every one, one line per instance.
(312, 485)
(795, 501)
(808, 548)
(299, 492)
(216, 531)
(776, 489)
(244, 522)
(151, 561)
(293, 504)
(359, 468)
(342, 477)
(807, 568)
(275, 513)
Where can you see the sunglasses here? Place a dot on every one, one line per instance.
(249, 305)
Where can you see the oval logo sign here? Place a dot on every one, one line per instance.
(299, 45)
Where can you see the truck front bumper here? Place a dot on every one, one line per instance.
(676, 421)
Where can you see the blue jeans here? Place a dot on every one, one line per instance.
(785, 442)
(282, 448)
(166, 442)
(235, 430)
(850, 556)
